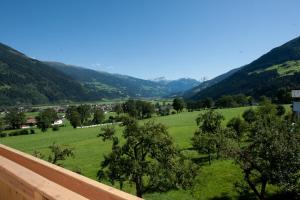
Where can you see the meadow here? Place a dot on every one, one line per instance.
(213, 182)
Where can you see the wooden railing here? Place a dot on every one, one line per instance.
(24, 177)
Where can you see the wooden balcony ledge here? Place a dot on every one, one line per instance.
(24, 177)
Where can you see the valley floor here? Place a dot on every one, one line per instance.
(213, 182)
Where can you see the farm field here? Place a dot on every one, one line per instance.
(213, 182)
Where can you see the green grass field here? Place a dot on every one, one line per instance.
(213, 181)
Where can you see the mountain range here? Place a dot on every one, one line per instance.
(24, 80)
(274, 75)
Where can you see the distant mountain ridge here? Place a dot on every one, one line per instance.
(24, 80)
(208, 83)
(103, 84)
(106, 85)
(178, 85)
(272, 74)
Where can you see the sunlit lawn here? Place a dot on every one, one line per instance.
(212, 181)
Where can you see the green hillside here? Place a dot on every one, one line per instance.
(28, 81)
(24, 80)
(285, 69)
(106, 85)
(276, 71)
(191, 92)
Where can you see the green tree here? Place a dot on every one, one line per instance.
(15, 118)
(208, 139)
(118, 109)
(1, 124)
(241, 99)
(145, 109)
(280, 110)
(74, 119)
(178, 104)
(130, 108)
(264, 99)
(249, 115)
(207, 103)
(251, 100)
(69, 111)
(59, 153)
(284, 95)
(272, 153)
(226, 101)
(138, 109)
(210, 121)
(46, 118)
(84, 111)
(98, 116)
(147, 158)
(238, 128)
(164, 110)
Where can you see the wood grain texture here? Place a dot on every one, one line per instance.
(71, 181)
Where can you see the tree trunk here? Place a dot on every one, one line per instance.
(138, 186)
(121, 185)
(263, 188)
(209, 157)
(218, 152)
(252, 186)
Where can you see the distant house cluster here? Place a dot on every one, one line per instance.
(105, 107)
(32, 122)
(61, 110)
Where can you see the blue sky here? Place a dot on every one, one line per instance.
(149, 38)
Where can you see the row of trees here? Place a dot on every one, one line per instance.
(230, 101)
(137, 108)
(16, 118)
(143, 109)
(80, 115)
(77, 115)
(226, 101)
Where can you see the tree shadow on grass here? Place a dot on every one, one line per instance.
(285, 196)
(227, 197)
(223, 196)
(280, 196)
(201, 160)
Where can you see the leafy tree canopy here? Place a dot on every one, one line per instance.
(147, 158)
(46, 118)
(15, 118)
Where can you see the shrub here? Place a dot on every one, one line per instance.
(20, 132)
(111, 119)
(3, 135)
(12, 134)
(55, 128)
(32, 131)
(24, 132)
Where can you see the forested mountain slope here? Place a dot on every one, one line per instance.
(24, 80)
(273, 74)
